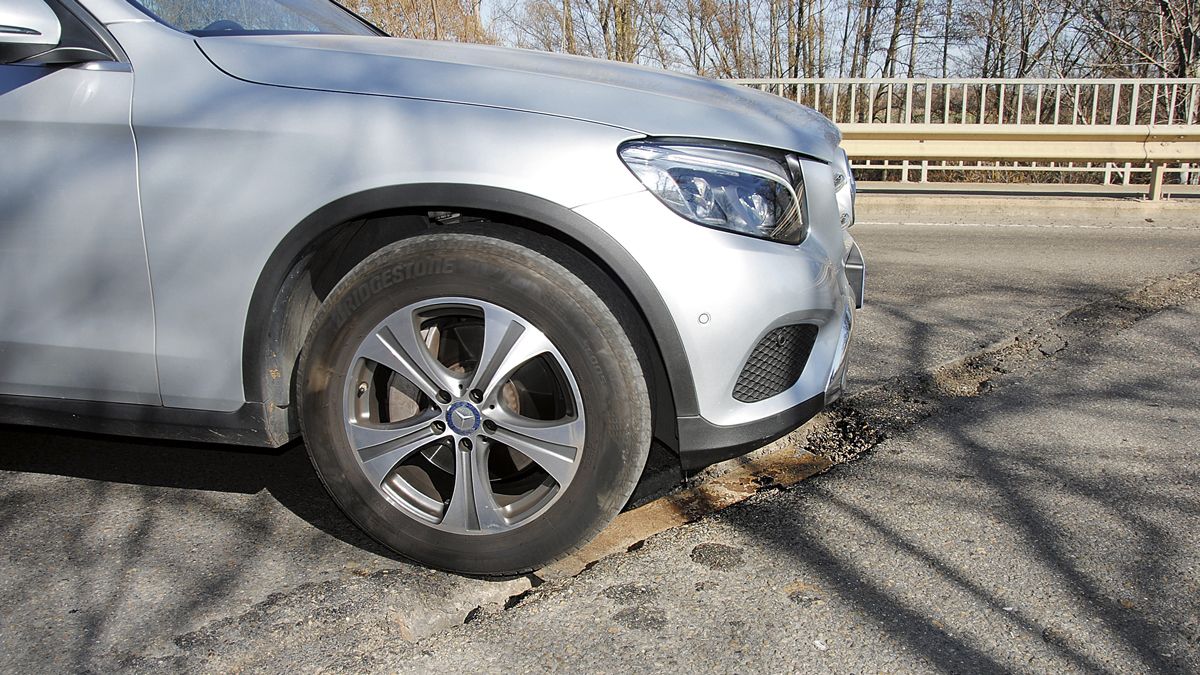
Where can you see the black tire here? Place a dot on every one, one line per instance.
(502, 267)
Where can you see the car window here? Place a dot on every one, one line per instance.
(252, 17)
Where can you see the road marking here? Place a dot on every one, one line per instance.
(1031, 225)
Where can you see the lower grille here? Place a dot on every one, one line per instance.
(776, 363)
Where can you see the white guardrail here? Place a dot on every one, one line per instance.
(1122, 131)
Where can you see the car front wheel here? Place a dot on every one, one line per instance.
(472, 404)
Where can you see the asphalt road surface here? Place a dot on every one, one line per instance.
(1045, 522)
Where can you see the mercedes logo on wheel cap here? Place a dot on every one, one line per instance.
(463, 418)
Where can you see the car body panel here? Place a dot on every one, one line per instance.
(76, 318)
(646, 100)
(229, 167)
(743, 288)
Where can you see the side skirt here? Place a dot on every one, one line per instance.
(244, 426)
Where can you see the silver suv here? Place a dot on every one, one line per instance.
(478, 281)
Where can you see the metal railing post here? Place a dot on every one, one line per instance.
(1193, 98)
(1156, 181)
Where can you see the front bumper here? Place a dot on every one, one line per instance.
(725, 294)
(703, 443)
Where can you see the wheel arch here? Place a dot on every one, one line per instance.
(283, 302)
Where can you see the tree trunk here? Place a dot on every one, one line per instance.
(793, 63)
(797, 55)
(989, 42)
(846, 41)
(569, 28)
(822, 55)
(753, 60)
(946, 37)
(871, 9)
(889, 59)
(913, 36)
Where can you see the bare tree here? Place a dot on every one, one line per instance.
(459, 20)
(889, 59)
(914, 33)
(857, 38)
(1143, 37)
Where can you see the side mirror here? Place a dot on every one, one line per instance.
(27, 28)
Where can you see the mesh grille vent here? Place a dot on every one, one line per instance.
(776, 363)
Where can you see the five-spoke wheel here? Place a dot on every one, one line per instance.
(464, 414)
(471, 400)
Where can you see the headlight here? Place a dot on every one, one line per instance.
(731, 190)
(845, 188)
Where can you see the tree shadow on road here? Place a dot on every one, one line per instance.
(1078, 496)
(121, 545)
(285, 473)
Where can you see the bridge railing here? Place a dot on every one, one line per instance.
(974, 124)
(994, 101)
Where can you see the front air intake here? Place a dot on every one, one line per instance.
(776, 363)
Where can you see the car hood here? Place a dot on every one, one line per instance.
(644, 100)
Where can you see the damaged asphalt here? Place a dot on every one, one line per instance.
(1046, 525)
(1027, 404)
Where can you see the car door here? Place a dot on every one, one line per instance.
(76, 316)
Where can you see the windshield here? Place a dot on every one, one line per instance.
(256, 17)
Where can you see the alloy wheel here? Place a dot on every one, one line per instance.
(464, 415)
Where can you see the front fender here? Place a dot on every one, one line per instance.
(266, 357)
